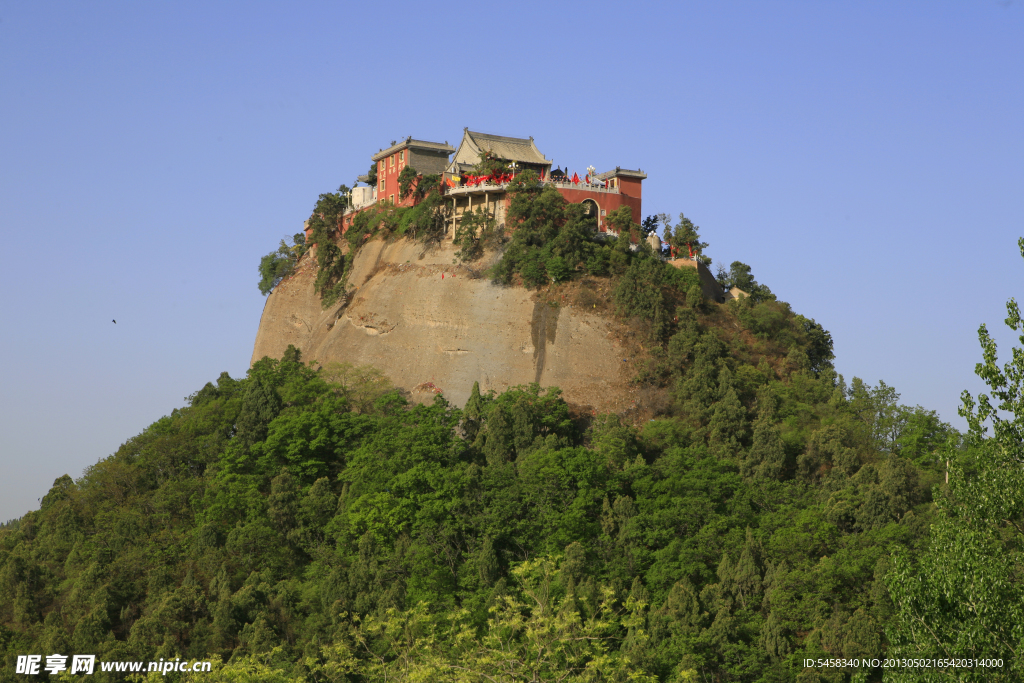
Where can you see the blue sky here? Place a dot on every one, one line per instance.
(865, 158)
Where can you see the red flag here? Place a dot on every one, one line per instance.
(575, 178)
(587, 179)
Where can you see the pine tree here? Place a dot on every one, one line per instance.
(498, 436)
(767, 456)
(283, 502)
(260, 405)
(746, 574)
(727, 426)
(475, 404)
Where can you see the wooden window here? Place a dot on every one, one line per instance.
(401, 156)
(383, 183)
(391, 198)
(392, 163)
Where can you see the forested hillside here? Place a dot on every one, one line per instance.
(307, 523)
(287, 520)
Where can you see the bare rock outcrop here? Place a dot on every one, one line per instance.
(427, 323)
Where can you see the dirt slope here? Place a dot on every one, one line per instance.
(420, 327)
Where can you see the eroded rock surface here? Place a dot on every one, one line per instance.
(422, 320)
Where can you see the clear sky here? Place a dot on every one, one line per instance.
(865, 158)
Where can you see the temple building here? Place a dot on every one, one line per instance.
(600, 193)
(425, 157)
(522, 151)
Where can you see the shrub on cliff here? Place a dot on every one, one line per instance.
(326, 225)
(544, 226)
(476, 232)
(279, 264)
(424, 221)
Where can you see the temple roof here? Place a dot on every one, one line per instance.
(413, 144)
(511, 149)
(619, 172)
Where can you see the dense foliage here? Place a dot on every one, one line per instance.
(425, 220)
(476, 232)
(308, 523)
(551, 240)
(313, 525)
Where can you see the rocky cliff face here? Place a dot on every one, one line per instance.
(426, 322)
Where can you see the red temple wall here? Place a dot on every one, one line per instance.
(606, 201)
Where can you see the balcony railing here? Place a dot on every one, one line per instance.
(501, 187)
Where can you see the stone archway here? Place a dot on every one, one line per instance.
(592, 210)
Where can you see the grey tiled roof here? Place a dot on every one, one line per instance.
(513, 149)
(618, 172)
(413, 144)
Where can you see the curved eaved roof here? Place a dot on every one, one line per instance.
(512, 149)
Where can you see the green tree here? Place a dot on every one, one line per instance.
(475, 232)
(964, 596)
(649, 225)
(639, 293)
(325, 222)
(405, 180)
(359, 385)
(260, 404)
(546, 227)
(557, 269)
(739, 276)
(279, 264)
(687, 237)
(536, 632)
(621, 221)
(490, 163)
